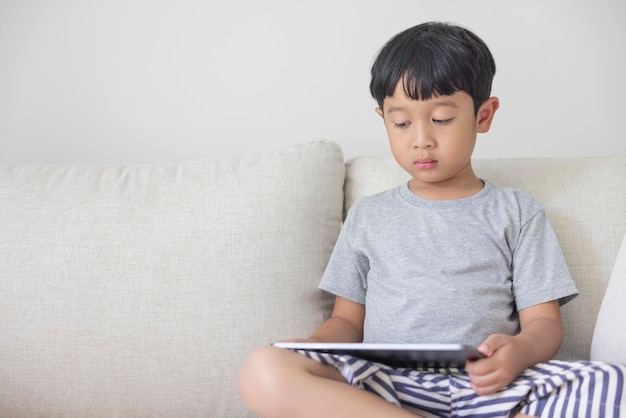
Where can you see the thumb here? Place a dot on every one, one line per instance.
(492, 344)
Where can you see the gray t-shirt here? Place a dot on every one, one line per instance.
(452, 271)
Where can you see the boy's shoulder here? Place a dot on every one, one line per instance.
(514, 203)
(372, 206)
(376, 199)
(516, 196)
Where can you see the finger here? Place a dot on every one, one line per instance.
(492, 344)
(486, 389)
(487, 383)
(480, 367)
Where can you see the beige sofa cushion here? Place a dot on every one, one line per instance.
(138, 290)
(585, 200)
(609, 337)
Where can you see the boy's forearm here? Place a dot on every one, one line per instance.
(337, 329)
(540, 340)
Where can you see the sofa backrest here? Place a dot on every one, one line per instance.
(585, 200)
(139, 290)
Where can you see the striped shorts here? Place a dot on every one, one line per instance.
(552, 389)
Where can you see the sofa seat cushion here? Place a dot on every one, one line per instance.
(139, 290)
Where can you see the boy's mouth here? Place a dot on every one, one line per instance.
(425, 164)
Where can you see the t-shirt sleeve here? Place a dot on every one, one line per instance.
(540, 273)
(346, 272)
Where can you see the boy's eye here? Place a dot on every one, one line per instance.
(442, 121)
(401, 125)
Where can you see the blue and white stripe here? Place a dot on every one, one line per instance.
(552, 389)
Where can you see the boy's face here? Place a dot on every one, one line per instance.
(433, 140)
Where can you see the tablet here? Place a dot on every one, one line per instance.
(399, 355)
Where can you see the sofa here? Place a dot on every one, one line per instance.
(138, 290)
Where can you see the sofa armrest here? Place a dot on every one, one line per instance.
(609, 337)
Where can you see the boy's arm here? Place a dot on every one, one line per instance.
(344, 325)
(507, 356)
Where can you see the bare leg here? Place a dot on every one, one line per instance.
(277, 383)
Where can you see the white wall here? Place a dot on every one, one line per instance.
(139, 81)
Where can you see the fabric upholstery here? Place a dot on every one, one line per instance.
(609, 338)
(139, 290)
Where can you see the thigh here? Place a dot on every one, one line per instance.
(551, 389)
(576, 388)
(281, 383)
(424, 392)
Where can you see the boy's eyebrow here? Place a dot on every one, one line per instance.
(437, 103)
(395, 109)
(447, 103)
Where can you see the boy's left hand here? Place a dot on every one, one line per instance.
(501, 365)
(506, 356)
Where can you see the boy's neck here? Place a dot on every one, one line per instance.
(454, 190)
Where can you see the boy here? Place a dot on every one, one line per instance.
(445, 258)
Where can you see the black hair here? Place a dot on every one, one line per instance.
(434, 58)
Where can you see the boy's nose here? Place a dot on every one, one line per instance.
(422, 138)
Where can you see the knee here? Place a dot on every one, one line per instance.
(260, 378)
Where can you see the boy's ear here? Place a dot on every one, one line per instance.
(485, 114)
(380, 112)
